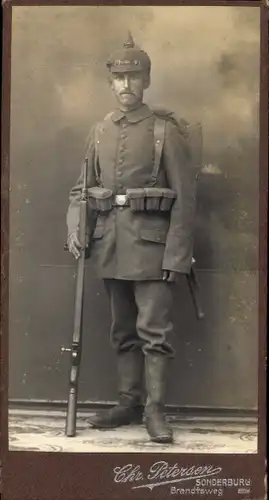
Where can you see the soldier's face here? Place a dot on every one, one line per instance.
(128, 88)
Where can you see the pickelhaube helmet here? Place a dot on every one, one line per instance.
(130, 58)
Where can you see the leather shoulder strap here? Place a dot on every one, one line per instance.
(97, 169)
(159, 133)
(97, 136)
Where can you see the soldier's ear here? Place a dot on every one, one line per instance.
(146, 80)
(110, 81)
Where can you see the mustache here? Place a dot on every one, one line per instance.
(126, 92)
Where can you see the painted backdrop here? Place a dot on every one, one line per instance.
(205, 66)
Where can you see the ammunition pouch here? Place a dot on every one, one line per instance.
(168, 198)
(151, 199)
(136, 199)
(100, 199)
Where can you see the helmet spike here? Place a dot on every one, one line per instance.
(129, 44)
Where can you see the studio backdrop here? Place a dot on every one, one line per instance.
(205, 67)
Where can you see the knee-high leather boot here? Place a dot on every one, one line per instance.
(130, 405)
(156, 368)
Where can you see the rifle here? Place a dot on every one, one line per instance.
(194, 287)
(75, 349)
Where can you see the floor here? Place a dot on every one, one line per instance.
(44, 431)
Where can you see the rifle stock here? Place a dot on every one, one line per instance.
(76, 346)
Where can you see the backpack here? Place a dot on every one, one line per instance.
(191, 132)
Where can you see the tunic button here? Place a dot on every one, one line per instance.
(121, 160)
(123, 136)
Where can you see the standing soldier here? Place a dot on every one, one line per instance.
(141, 205)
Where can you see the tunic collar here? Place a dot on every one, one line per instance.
(134, 116)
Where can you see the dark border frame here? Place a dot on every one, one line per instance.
(69, 476)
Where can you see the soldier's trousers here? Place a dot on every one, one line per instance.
(141, 315)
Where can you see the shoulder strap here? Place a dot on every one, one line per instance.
(159, 133)
(96, 149)
(97, 169)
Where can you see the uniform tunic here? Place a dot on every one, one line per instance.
(138, 245)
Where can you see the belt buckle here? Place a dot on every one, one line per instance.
(120, 199)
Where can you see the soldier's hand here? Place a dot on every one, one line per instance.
(74, 245)
(170, 276)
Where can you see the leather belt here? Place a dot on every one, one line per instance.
(121, 200)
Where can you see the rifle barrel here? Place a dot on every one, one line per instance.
(70, 428)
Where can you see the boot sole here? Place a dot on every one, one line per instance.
(162, 439)
(110, 426)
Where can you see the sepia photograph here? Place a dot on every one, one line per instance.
(134, 231)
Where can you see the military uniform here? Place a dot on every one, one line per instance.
(132, 248)
(137, 246)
